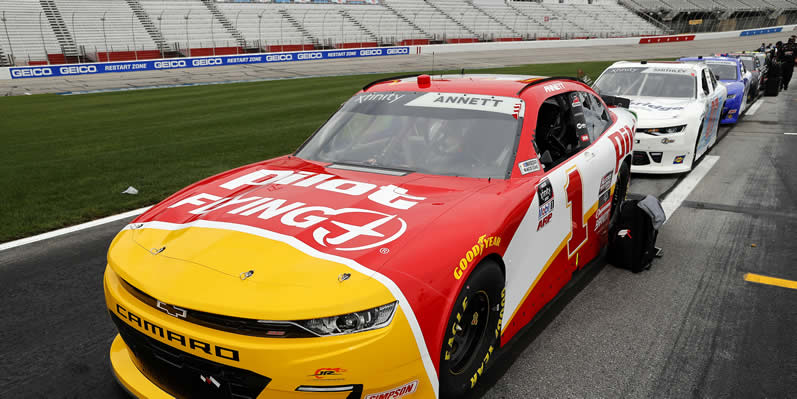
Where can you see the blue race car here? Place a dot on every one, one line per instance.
(730, 71)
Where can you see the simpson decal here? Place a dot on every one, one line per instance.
(395, 393)
(545, 199)
(526, 167)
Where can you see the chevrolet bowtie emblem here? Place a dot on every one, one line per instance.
(172, 310)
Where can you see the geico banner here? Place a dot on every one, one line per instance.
(199, 62)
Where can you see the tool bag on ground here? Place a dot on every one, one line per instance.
(633, 239)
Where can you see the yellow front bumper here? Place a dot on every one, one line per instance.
(379, 360)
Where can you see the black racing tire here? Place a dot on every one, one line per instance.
(619, 195)
(472, 340)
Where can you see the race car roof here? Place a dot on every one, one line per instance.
(728, 60)
(686, 67)
(485, 84)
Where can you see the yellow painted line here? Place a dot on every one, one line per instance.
(779, 282)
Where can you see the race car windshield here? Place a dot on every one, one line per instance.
(748, 63)
(724, 71)
(434, 133)
(647, 82)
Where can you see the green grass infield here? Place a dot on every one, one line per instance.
(66, 159)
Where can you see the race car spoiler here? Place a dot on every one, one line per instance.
(613, 101)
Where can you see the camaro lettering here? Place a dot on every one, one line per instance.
(188, 343)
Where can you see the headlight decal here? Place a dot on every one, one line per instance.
(365, 320)
(662, 130)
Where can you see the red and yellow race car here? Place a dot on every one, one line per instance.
(418, 230)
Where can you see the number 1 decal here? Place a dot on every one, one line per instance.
(575, 201)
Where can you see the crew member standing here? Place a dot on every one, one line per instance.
(787, 58)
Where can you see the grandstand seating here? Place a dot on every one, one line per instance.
(429, 19)
(42, 31)
(119, 31)
(22, 19)
(188, 24)
(262, 25)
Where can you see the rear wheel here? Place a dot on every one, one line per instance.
(472, 333)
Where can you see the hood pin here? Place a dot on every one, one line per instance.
(343, 277)
(246, 275)
(156, 251)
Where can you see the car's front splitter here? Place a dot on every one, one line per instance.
(370, 362)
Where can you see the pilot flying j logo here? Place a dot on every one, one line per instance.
(345, 229)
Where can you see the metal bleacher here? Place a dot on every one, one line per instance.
(50, 31)
(104, 26)
(188, 24)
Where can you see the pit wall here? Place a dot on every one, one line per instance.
(34, 72)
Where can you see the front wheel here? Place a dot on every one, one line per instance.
(472, 335)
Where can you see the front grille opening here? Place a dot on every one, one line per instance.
(640, 158)
(186, 376)
(236, 325)
(656, 156)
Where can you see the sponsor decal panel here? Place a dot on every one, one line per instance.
(329, 374)
(474, 252)
(529, 166)
(503, 105)
(604, 195)
(197, 62)
(346, 229)
(398, 392)
(553, 88)
(679, 159)
(546, 201)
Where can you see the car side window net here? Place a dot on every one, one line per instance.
(561, 129)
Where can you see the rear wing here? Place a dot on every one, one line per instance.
(613, 101)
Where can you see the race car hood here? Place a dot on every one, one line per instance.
(660, 112)
(281, 240)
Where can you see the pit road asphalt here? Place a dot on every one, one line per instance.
(689, 327)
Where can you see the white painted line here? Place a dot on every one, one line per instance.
(685, 187)
(790, 134)
(755, 107)
(71, 229)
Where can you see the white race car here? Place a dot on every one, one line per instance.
(678, 106)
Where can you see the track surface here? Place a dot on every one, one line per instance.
(689, 327)
(446, 61)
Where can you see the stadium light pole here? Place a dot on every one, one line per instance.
(41, 32)
(10, 45)
(260, 30)
(133, 32)
(104, 35)
(160, 30)
(212, 37)
(187, 38)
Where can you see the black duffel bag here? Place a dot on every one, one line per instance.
(632, 241)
